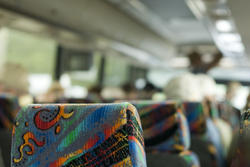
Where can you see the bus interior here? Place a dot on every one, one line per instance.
(157, 83)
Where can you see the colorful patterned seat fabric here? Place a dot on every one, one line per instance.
(78, 135)
(166, 134)
(164, 126)
(196, 117)
(241, 158)
(245, 124)
(205, 139)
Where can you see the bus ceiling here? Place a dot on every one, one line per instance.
(146, 30)
(80, 21)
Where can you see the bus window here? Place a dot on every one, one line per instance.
(33, 53)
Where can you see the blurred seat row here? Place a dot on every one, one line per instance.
(135, 133)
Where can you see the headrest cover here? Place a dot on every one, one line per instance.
(165, 127)
(196, 117)
(8, 109)
(78, 135)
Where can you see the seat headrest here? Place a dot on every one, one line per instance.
(78, 135)
(165, 127)
(9, 107)
(196, 117)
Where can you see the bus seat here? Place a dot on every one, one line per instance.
(195, 117)
(166, 134)
(224, 128)
(8, 108)
(73, 135)
(245, 124)
(241, 157)
(205, 139)
(5, 147)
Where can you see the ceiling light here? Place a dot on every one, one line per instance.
(224, 26)
(235, 47)
(229, 37)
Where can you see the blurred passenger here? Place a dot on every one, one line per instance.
(13, 85)
(232, 94)
(198, 66)
(159, 96)
(232, 89)
(94, 94)
(130, 91)
(227, 109)
(207, 86)
(208, 90)
(14, 80)
(183, 87)
(189, 88)
(55, 92)
(147, 92)
(202, 88)
(113, 93)
(1, 86)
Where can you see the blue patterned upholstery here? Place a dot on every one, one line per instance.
(166, 131)
(204, 132)
(78, 135)
(196, 117)
(165, 127)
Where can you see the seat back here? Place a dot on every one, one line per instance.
(241, 157)
(165, 127)
(196, 117)
(78, 135)
(166, 134)
(225, 131)
(205, 139)
(245, 124)
(8, 109)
